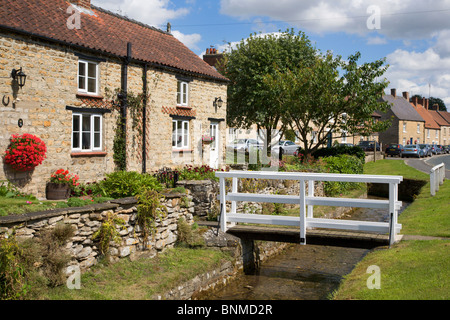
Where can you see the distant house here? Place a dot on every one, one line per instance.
(407, 124)
(442, 118)
(77, 57)
(432, 132)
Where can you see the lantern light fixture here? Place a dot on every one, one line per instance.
(218, 102)
(19, 76)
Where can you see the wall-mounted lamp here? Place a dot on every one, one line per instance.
(218, 102)
(19, 76)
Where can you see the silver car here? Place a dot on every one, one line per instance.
(426, 149)
(287, 147)
(412, 150)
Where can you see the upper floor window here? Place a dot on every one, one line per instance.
(182, 93)
(87, 77)
(418, 128)
(404, 126)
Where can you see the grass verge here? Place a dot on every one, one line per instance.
(410, 270)
(141, 279)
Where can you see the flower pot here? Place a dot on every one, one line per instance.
(57, 191)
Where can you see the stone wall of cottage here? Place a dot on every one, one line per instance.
(52, 85)
(87, 220)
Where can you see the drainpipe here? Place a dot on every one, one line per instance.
(144, 121)
(124, 96)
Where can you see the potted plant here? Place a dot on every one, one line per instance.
(60, 185)
(25, 152)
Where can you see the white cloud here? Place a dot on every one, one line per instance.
(189, 40)
(376, 41)
(399, 19)
(152, 12)
(421, 73)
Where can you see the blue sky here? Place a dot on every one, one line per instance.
(414, 36)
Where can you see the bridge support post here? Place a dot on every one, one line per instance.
(250, 255)
(302, 213)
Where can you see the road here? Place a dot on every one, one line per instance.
(425, 165)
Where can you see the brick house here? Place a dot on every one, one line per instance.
(76, 58)
(443, 120)
(407, 124)
(432, 130)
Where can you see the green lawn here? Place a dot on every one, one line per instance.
(410, 270)
(18, 205)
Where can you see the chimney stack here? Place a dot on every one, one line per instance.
(425, 103)
(393, 92)
(406, 95)
(212, 56)
(82, 3)
(434, 107)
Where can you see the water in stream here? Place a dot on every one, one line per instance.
(301, 272)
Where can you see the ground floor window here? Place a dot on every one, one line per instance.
(86, 132)
(180, 134)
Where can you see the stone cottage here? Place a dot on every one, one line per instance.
(407, 124)
(86, 69)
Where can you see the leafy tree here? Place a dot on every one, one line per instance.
(330, 95)
(251, 100)
(433, 101)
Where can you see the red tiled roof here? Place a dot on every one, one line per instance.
(425, 114)
(103, 31)
(439, 118)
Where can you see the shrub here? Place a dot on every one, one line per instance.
(108, 232)
(198, 173)
(25, 152)
(189, 235)
(13, 282)
(345, 164)
(122, 184)
(339, 150)
(149, 209)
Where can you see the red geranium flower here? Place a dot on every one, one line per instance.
(25, 152)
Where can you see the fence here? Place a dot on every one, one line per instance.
(307, 202)
(437, 176)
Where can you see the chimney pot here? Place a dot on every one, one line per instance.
(393, 92)
(406, 95)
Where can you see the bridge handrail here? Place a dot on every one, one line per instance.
(307, 201)
(437, 177)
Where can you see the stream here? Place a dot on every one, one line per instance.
(300, 272)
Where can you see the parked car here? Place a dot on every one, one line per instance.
(441, 147)
(287, 146)
(426, 149)
(435, 149)
(447, 149)
(368, 145)
(412, 150)
(245, 144)
(394, 149)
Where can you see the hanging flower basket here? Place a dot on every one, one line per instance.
(207, 139)
(25, 152)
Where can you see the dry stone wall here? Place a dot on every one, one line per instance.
(87, 220)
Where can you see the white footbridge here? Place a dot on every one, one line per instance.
(307, 200)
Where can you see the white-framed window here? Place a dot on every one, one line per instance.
(404, 141)
(86, 132)
(88, 77)
(418, 128)
(428, 133)
(437, 134)
(180, 134)
(404, 126)
(182, 93)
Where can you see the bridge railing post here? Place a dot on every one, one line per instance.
(302, 213)
(310, 194)
(223, 205)
(393, 212)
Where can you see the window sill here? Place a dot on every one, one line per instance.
(88, 154)
(184, 107)
(182, 150)
(89, 95)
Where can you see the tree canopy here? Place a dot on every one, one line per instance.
(282, 81)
